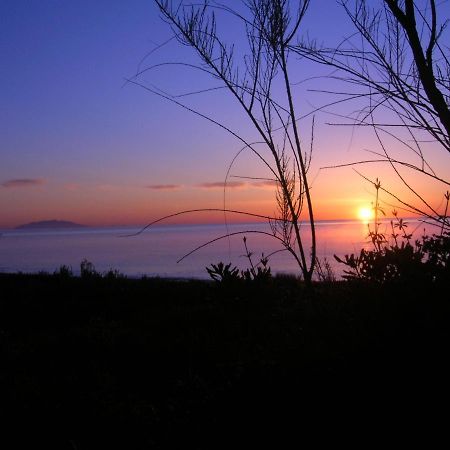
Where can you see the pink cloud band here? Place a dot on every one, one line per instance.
(164, 187)
(23, 182)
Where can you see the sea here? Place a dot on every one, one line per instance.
(175, 251)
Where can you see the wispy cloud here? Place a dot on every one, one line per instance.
(239, 184)
(265, 184)
(164, 187)
(23, 182)
(220, 184)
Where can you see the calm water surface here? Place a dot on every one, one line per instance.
(155, 252)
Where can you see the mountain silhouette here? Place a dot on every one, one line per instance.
(49, 224)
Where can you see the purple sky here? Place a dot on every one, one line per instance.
(78, 143)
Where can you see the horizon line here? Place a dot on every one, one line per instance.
(184, 224)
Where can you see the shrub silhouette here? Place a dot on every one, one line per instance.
(64, 271)
(427, 260)
(390, 262)
(87, 269)
(225, 274)
(437, 253)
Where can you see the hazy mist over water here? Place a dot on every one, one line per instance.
(155, 252)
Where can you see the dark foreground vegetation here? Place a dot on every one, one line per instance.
(155, 363)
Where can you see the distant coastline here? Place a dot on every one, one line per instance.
(63, 224)
(49, 225)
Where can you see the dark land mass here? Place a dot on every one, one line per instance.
(49, 225)
(112, 362)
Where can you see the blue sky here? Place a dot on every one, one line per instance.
(78, 143)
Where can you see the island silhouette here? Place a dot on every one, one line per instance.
(49, 224)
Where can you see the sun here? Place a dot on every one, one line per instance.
(365, 214)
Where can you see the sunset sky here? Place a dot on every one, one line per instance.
(79, 143)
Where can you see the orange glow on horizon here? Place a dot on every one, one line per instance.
(141, 213)
(135, 206)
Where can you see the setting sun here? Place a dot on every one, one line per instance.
(365, 213)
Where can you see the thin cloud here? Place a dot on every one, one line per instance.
(265, 184)
(220, 185)
(164, 187)
(23, 182)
